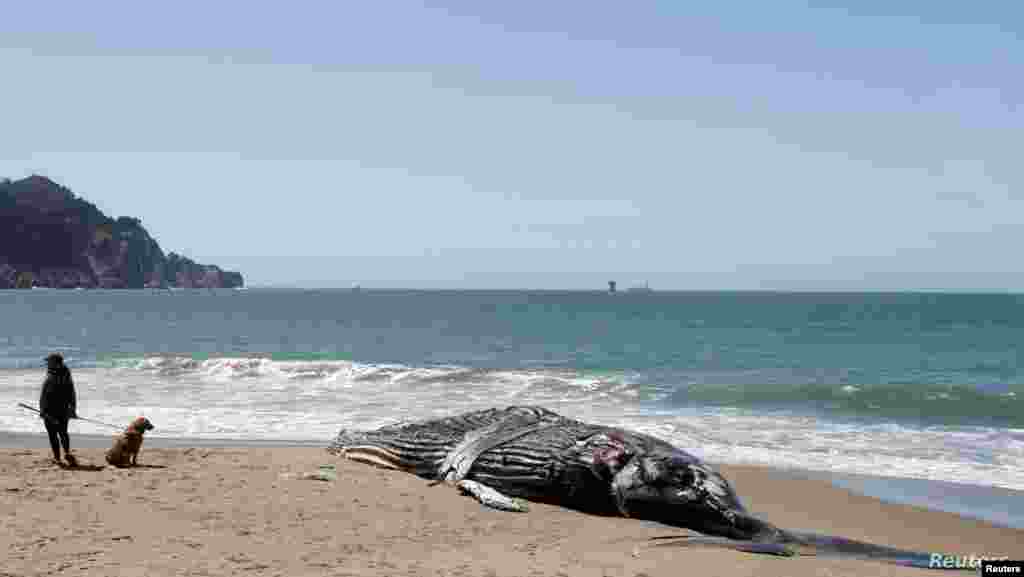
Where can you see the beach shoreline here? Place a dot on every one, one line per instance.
(996, 505)
(207, 510)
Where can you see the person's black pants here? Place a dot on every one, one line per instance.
(57, 429)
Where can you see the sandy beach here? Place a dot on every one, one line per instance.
(228, 511)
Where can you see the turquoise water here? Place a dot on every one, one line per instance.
(927, 385)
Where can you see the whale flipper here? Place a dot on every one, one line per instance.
(833, 546)
(459, 461)
(746, 546)
(491, 497)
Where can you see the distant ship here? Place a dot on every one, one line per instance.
(641, 289)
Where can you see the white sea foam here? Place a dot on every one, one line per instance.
(260, 398)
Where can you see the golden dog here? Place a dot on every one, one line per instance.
(126, 447)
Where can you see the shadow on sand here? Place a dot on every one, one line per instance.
(82, 467)
(85, 467)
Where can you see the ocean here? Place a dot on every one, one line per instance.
(905, 385)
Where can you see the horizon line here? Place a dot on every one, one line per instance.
(382, 288)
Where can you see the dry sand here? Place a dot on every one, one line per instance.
(225, 511)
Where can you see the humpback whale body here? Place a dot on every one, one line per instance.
(504, 456)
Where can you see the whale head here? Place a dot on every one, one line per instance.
(676, 488)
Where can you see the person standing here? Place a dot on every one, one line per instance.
(57, 405)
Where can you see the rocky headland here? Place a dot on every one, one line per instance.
(49, 237)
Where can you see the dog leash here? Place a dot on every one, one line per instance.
(49, 418)
(99, 423)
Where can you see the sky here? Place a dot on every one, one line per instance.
(859, 145)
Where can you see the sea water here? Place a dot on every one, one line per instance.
(926, 386)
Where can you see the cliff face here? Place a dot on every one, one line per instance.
(51, 238)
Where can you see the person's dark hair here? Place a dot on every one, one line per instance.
(55, 360)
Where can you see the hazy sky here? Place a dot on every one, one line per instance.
(833, 145)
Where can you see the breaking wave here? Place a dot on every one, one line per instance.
(849, 428)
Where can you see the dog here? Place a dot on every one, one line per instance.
(125, 451)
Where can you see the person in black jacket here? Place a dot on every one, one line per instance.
(57, 405)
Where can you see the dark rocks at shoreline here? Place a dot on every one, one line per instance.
(51, 238)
